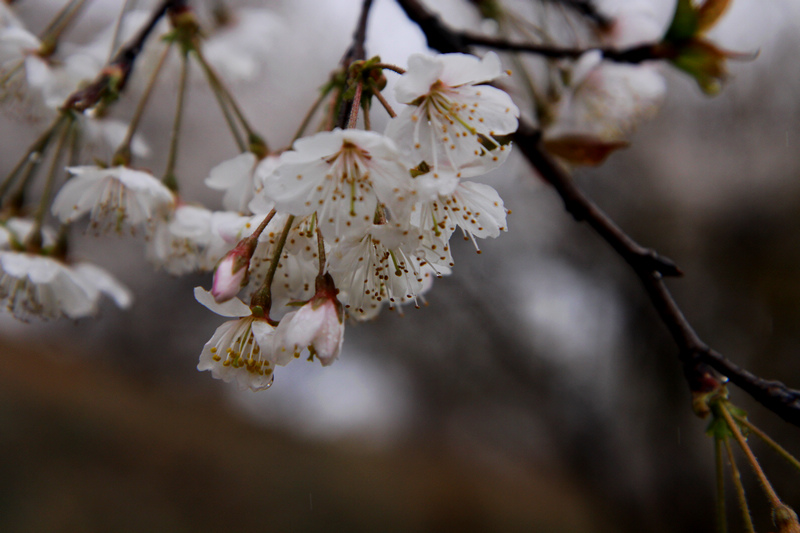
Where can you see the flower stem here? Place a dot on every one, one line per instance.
(355, 105)
(261, 227)
(34, 242)
(263, 298)
(389, 66)
(170, 180)
(722, 525)
(766, 438)
(367, 122)
(737, 483)
(216, 82)
(32, 155)
(223, 106)
(117, 27)
(384, 103)
(321, 252)
(774, 500)
(60, 22)
(123, 154)
(310, 113)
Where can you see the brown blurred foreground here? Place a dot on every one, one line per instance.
(86, 449)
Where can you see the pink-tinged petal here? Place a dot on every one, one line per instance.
(228, 278)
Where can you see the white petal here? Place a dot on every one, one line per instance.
(233, 307)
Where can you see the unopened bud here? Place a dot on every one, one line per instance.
(231, 273)
(785, 519)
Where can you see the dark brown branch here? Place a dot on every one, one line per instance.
(638, 54)
(447, 40)
(115, 76)
(695, 355)
(582, 209)
(585, 8)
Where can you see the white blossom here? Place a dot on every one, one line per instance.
(240, 350)
(343, 176)
(476, 208)
(452, 121)
(298, 264)
(44, 287)
(116, 198)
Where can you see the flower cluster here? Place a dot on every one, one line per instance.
(362, 217)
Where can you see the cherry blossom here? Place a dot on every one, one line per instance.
(240, 350)
(453, 121)
(476, 208)
(116, 198)
(44, 287)
(343, 176)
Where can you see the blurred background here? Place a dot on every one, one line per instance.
(537, 390)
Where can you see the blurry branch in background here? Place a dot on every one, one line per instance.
(698, 358)
(113, 78)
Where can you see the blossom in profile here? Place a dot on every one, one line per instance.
(453, 121)
(474, 207)
(240, 350)
(47, 288)
(116, 198)
(317, 326)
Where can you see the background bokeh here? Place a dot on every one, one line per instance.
(537, 390)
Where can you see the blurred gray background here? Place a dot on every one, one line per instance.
(537, 390)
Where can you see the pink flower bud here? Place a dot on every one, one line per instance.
(231, 273)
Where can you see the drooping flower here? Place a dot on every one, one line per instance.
(240, 350)
(317, 326)
(381, 266)
(116, 198)
(343, 176)
(44, 287)
(453, 121)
